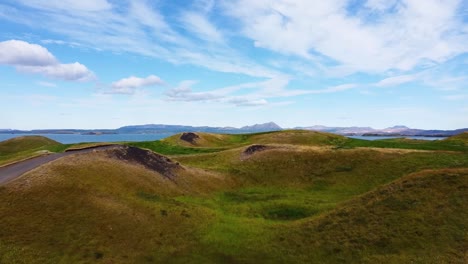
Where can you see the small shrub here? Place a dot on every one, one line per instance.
(98, 255)
(288, 213)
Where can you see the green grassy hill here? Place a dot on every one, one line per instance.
(460, 139)
(209, 143)
(25, 147)
(455, 143)
(419, 218)
(297, 137)
(280, 197)
(95, 206)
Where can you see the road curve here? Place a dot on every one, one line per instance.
(13, 171)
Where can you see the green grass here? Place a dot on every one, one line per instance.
(402, 143)
(224, 141)
(165, 148)
(396, 223)
(20, 148)
(300, 201)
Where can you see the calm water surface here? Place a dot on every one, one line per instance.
(78, 138)
(377, 138)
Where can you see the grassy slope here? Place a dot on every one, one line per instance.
(420, 218)
(224, 141)
(88, 207)
(25, 147)
(454, 143)
(272, 206)
(208, 143)
(166, 148)
(461, 139)
(284, 185)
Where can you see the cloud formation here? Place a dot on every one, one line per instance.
(248, 102)
(21, 53)
(140, 28)
(247, 94)
(396, 80)
(201, 27)
(273, 49)
(82, 5)
(372, 36)
(33, 58)
(130, 84)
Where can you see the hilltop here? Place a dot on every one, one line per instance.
(462, 138)
(230, 140)
(26, 147)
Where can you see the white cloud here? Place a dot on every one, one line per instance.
(61, 42)
(201, 27)
(139, 28)
(184, 92)
(21, 53)
(67, 72)
(380, 5)
(247, 94)
(130, 84)
(396, 80)
(82, 5)
(415, 33)
(33, 58)
(248, 102)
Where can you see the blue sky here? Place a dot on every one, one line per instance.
(109, 63)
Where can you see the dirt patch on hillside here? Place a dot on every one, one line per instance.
(147, 158)
(189, 137)
(254, 148)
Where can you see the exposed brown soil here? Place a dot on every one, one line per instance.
(147, 158)
(254, 148)
(190, 137)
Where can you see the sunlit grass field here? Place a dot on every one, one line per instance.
(307, 197)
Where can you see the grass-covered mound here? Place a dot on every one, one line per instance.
(456, 143)
(103, 205)
(296, 137)
(292, 198)
(420, 218)
(196, 143)
(460, 139)
(292, 165)
(205, 140)
(25, 147)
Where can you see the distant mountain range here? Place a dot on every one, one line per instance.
(158, 128)
(151, 129)
(271, 126)
(390, 131)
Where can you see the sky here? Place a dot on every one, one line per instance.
(110, 63)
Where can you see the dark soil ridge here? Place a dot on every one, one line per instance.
(254, 148)
(147, 158)
(189, 137)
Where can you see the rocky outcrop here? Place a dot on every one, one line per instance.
(189, 137)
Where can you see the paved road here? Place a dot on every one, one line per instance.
(13, 171)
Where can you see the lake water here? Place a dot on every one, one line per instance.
(382, 137)
(78, 138)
